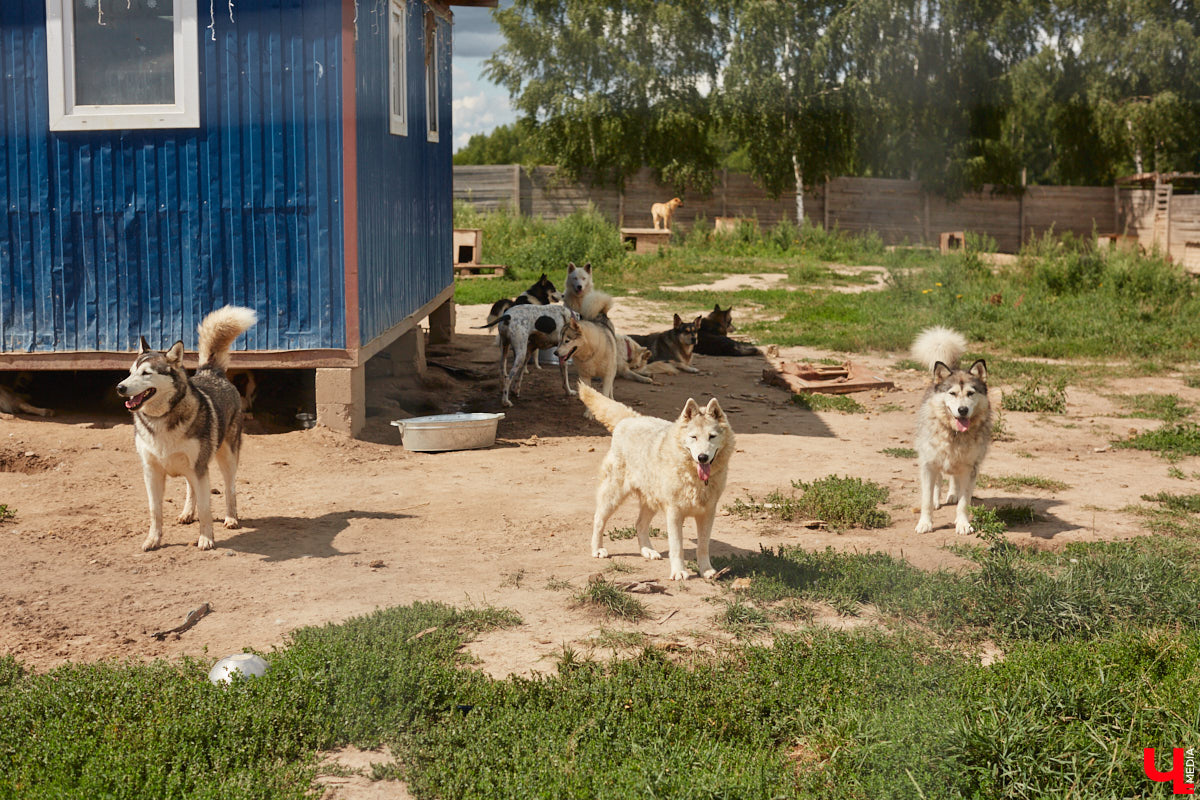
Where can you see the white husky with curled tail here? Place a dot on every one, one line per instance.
(954, 425)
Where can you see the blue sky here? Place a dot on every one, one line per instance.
(479, 105)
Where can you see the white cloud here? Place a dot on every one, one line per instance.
(479, 105)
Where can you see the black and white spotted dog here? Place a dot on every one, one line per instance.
(525, 329)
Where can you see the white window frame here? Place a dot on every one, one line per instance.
(66, 115)
(398, 67)
(432, 121)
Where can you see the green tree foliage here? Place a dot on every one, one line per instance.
(607, 86)
(783, 95)
(955, 93)
(504, 145)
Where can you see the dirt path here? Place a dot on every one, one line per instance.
(336, 528)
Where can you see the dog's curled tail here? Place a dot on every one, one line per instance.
(607, 412)
(939, 344)
(217, 332)
(594, 304)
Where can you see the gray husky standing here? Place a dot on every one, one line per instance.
(954, 425)
(182, 423)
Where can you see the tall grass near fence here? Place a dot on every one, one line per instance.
(1060, 299)
(529, 246)
(1063, 297)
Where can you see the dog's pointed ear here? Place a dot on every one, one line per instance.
(941, 371)
(175, 354)
(713, 409)
(717, 308)
(699, 319)
(588, 268)
(690, 410)
(143, 345)
(979, 369)
(542, 278)
(570, 267)
(678, 320)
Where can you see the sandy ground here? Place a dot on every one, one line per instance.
(334, 528)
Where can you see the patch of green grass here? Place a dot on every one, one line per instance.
(1167, 407)
(839, 502)
(1172, 441)
(899, 452)
(1176, 473)
(815, 401)
(1015, 514)
(743, 619)
(7, 513)
(1019, 482)
(1013, 594)
(619, 640)
(605, 597)
(1184, 503)
(1192, 381)
(1037, 396)
(630, 532)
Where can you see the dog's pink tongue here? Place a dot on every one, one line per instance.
(704, 471)
(960, 425)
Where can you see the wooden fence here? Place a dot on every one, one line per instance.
(899, 211)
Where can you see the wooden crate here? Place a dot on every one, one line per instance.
(467, 244)
(645, 240)
(949, 241)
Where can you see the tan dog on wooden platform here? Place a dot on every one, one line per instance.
(661, 213)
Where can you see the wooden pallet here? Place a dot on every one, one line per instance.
(824, 379)
(480, 270)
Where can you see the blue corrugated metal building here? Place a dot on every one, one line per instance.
(158, 161)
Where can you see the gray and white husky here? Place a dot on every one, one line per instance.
(182, 423)
(954, 425)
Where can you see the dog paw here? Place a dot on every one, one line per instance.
(950, 500)
(600, 553)
(506, 403)
(151, 543)
(186, 517)
(680, 574)
(924, 525)
(232, 524)
(963, 527)
(708, 573)
(572, 393)
(205, 543)
(651, 554)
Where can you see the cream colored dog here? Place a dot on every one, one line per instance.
(675, 466)
(662, 213)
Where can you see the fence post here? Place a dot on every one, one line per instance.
(516, 196)
(828, 198)
(925, 217)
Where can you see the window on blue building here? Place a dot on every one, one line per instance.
(397, 71)
(122, 64)
(431, 77)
